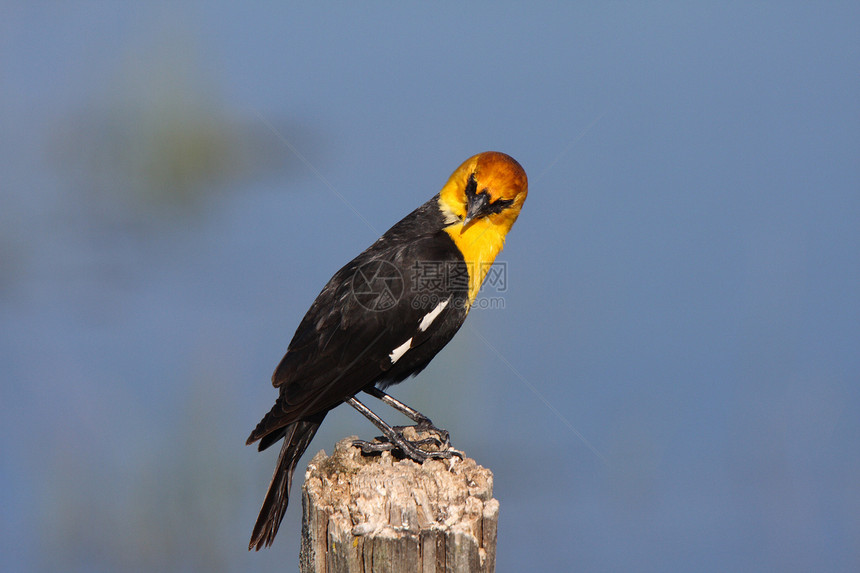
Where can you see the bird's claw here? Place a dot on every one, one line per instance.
(439, 438)
(426, 426)
(413, 449)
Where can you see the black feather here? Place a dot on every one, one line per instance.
(344, 342)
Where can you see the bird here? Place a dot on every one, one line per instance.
(384, 316)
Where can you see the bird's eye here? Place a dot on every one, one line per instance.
(499, 205)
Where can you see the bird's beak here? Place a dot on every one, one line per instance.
(477, 204)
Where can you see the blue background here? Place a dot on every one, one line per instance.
(671, 384)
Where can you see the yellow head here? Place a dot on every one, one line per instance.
(481, 201)
(490, 184)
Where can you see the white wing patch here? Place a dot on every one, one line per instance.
(428, 319)
(432, 315)
(398, 352)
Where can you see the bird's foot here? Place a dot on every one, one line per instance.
(420, 442)
(425, 433)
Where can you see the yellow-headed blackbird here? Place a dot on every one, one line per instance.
(385, 315)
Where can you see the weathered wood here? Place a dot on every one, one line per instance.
(374, 514)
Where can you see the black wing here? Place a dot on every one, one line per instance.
(369, 308)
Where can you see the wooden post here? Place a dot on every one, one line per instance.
(376, 513)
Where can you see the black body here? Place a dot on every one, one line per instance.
(345, 341)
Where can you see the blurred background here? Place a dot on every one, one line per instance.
(670, 384)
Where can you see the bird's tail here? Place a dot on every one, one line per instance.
(297, 437)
